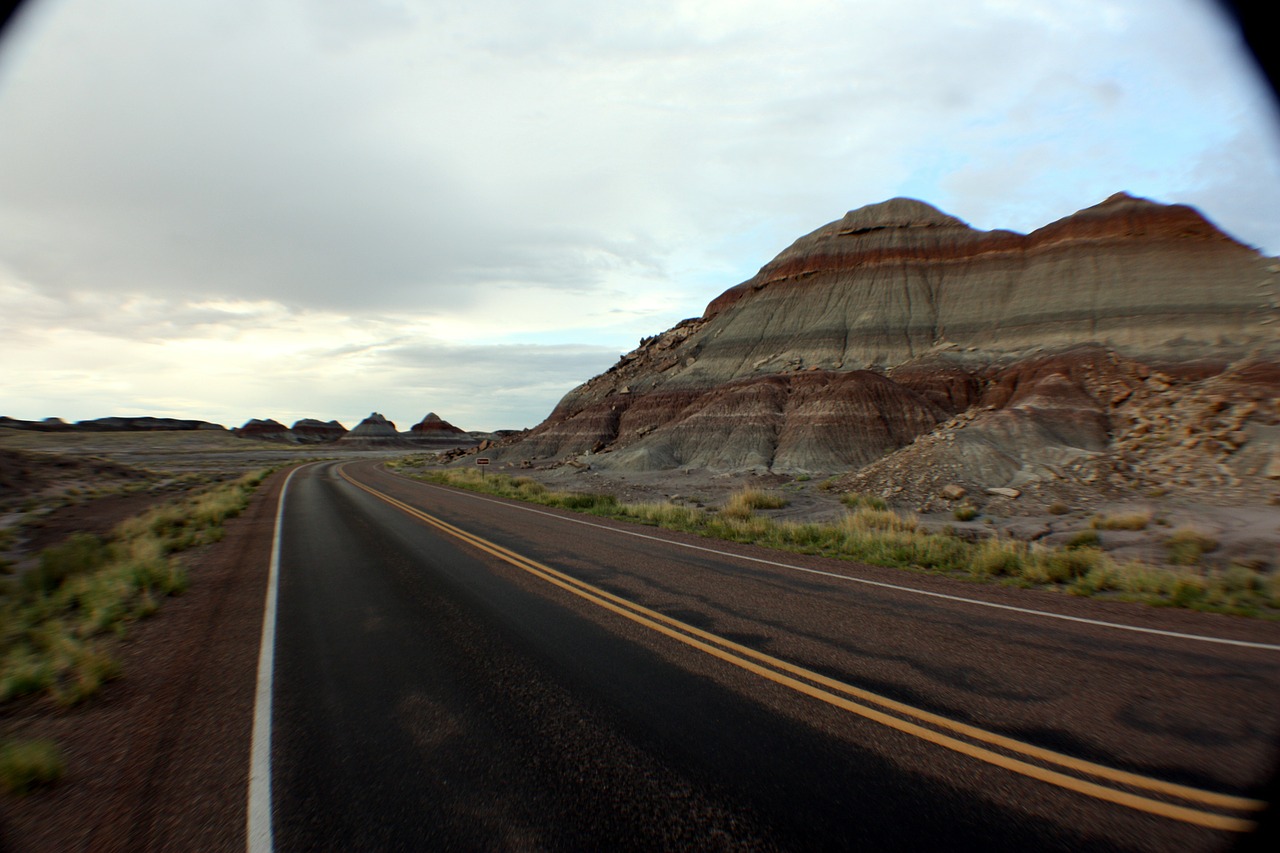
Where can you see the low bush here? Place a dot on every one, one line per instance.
(998, 557)
(965, 512)
(1186, 545)
(867, 518)
(27, 764)
(857, 500)
(1121, 521)
(741, 504)
(1068, 565)
(1084, 539)
(81, 553)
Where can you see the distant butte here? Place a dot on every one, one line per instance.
(435, 433)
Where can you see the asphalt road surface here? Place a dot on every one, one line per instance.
(453, 671)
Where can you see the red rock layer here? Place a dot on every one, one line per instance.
(863, 334)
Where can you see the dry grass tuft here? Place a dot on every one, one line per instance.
(1121, 521)
(1186, 545)
(857, 500)
(741, 504)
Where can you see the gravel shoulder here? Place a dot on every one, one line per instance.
(159, 759)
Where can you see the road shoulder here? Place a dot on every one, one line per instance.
(160, 758)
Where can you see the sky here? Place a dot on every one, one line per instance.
(226, 209)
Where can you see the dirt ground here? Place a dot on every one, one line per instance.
(158, 759)
(56, 484)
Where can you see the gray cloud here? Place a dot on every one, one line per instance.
(423, 161)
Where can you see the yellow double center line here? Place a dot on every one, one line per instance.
(841, 695)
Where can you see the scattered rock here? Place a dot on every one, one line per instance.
(1003, 491)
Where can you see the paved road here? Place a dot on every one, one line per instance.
(458, 672)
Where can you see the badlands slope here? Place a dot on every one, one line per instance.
(903, 347)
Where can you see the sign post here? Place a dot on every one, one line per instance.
(482, 461)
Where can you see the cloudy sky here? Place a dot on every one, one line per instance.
(227, 209)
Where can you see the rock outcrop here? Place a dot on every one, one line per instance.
(900, 338)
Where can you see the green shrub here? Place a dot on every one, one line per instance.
(27, 764)
(663, 514)
(23, 672)
(585, 501)
(1084, 539)
(1187, 591)
(79, 554)
(998, 557)
(1058, 508)
(1238, 579)
(741, 504)
(965, 512)
(867, 518)
(90, 669)
(1066, 566)
(1121, 521)
(856, 500)
(1186, 545)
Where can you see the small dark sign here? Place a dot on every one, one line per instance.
(482, 460)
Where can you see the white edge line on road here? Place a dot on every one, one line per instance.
(259, 835)
(1026, 610)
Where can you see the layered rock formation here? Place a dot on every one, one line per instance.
(312, 431)
(373, 432)
(263, 429)
(435, 433)
(898, 325)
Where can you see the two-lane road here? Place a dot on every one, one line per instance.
(454, 671)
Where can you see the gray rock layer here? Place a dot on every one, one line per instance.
(868, 332)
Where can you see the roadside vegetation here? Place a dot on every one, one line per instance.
(27, 764)
(872, 533)
(1121, 521)
(57, 618)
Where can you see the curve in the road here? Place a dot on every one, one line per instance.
(829, 690)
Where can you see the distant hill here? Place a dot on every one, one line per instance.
(110, 424)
